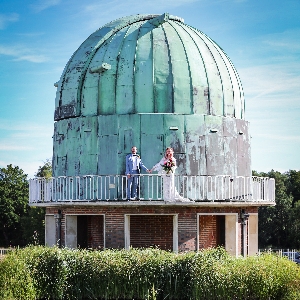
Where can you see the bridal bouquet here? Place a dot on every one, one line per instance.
(168, 166)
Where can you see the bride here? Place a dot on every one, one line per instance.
(166, 167)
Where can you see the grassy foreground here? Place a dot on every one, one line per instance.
(39, 272)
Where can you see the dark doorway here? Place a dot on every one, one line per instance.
(82, 231)
(220, 224)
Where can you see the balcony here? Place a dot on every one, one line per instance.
(112, 188)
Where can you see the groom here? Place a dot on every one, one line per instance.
(133, 169)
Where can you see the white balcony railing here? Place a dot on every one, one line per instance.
(113, 188)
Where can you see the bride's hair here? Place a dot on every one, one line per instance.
(169, 148)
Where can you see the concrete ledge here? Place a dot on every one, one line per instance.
(153, 203)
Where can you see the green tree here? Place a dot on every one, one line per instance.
(295, 226)
(20, 224)
(45, 170)
(293, 185)
(274, 222)
(33, 226)
(13, 205)
(33, 223)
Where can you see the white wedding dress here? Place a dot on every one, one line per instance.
(170, 193)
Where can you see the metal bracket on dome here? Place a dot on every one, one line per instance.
(160, 19)
(213, 130)
(100, 69)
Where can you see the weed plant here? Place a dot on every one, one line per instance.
(38, 272)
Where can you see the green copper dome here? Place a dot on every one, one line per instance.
(153, 82)
(149, 64)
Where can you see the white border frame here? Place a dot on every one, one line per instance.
(104, 225)
(50, 215)
(220, 214)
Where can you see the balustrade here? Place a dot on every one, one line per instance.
(113, 188)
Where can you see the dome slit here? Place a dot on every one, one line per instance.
(201, 100)
(143, 76)
(125, 79)
(180, 37)
(225, 77)
(162, 73)
(171, 103)
(214, 77)
(240, 89)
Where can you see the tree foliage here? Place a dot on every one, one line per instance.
(279, 225)
(293, 185)
(20, 224)
(34, 221)
(13, 204)
(45, 170)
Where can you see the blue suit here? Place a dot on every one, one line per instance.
(133, 181)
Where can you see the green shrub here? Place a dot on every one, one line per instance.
(53, 273)
(264, 277)
(15, 279)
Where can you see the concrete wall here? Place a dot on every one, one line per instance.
(50, 230)
(253, 234)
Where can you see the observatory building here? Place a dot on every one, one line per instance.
(151, 81)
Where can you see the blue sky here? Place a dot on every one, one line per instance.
(261, 37)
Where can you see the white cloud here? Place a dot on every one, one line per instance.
(272, 92)
(5, 19)
(2, 163)
(274, 48)
(287, 41)
(24, 141)
(291, 138)
(118, 6)
(228, 1)
(32, 58)
(99, 10)
(31, 34)
(25, 144)
(273, 82)
(18, 126)
(29, 168)
(11, 146)
(22, 135)
(41, 5)
(20, 53)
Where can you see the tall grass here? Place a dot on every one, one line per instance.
(53, 273)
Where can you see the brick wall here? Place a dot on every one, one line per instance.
(207, 231)
(151, 230)
(114, 217)
(95, 232)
